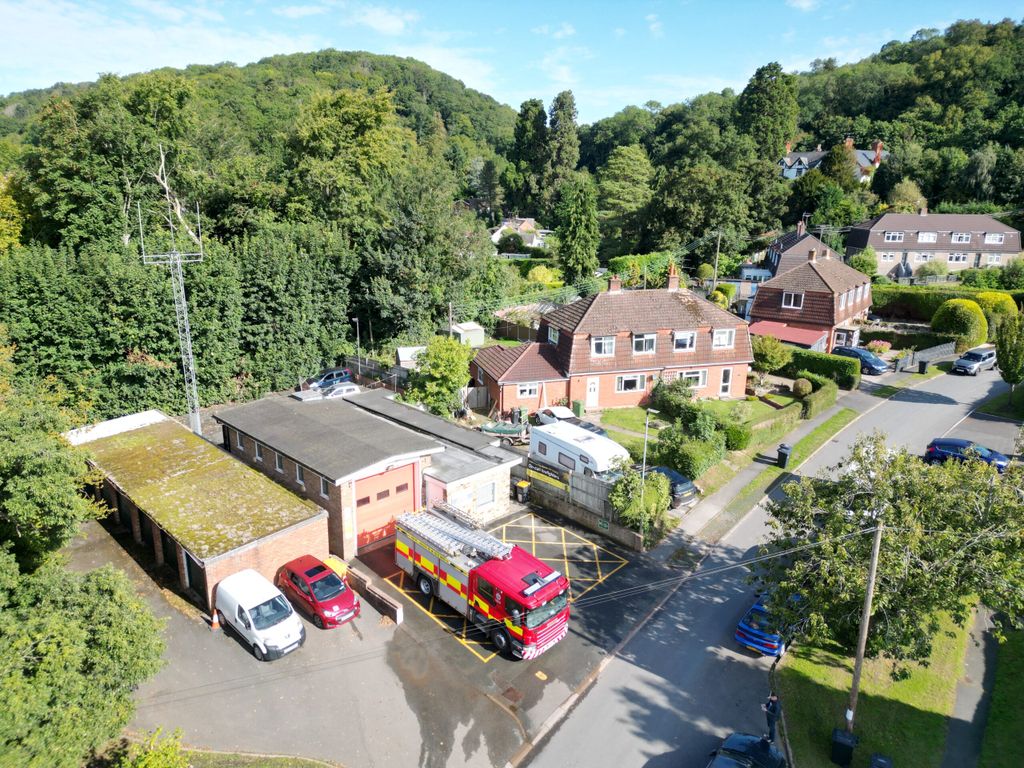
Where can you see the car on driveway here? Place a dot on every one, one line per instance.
(757, 631)
(330, 377)
(557, 413)
(318, 591)
(743, 750)
(943, 448)
(682, 489)
(980, 359)
(870, 363)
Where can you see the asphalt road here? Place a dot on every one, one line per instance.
(682, 684)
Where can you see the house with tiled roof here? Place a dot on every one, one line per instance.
(793, 165)
(791, 249)
(608, 350)
(818, 305)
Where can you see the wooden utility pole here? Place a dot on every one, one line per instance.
(865, 621)
(718, 247)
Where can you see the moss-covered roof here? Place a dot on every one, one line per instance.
(209, 501)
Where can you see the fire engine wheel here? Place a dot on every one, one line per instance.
(500, 639)
(426, 587)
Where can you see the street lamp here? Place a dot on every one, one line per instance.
(359, 368)
(643, 470)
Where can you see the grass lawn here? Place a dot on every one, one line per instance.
(635, 445)
(1001, 748)
(1000, 405)
(905, 720)
(631, 419)
(228, 760)
(489, 342)
(758, 411)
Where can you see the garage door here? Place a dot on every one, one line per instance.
(379, 499)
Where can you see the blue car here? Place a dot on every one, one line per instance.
(944, 448)
(757, 632)
(869, 361)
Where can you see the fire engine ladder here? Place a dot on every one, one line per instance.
(455, 538)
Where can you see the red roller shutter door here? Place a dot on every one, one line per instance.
(379, 499)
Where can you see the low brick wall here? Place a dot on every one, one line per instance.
(382, 603)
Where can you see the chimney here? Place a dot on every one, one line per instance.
(800, 227)
(789, 147)
(849, 142)
(923, 210)
(877, 146)
(673, 278)
(615, 284)
(812, 255)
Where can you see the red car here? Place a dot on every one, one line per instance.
(319, 591)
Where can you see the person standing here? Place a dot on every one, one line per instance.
(772, 709)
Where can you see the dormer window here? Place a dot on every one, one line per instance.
(723, 338)
(994, 238)
(894, 237)
(961, 237)
(684, 341)
(643, 343)
(792, 300)
(926, 237)
(552, 335)
(602, 346)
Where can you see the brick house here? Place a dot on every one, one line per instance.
(822, 295)
(193, 507)
(609, 349)
(792, 249)
(904, 242)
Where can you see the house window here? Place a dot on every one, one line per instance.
(923, 257)
(994, 238)
(602, 346)
(300, 475)
(279, 462)
(567, 461)
(552, 335)
(961, 237)
(401, 488)
(842, 301)
(258, 448)
(894, 237)
(325, 488)
(926, 237)
(684, 341)
(723, 338)
(957, 258)
(994, 258)
(485, 495)
(239, 440)
(857, 294)
(888, 256)
(792, 300)
(381, 495)
(697, 379)
(479, 376)
(643, 343)
(527, 390)
(363, 501)
(630, 383)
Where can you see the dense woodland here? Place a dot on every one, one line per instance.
(337, 185)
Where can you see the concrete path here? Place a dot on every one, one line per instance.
(973, 696)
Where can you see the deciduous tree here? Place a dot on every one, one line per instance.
(1010, 350)
(442, 370)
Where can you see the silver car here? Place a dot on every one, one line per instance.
(980, 359)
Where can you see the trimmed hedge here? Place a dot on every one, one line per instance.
(844, 371)
(695, 457)
(922, 340)
(737, 436)
(802, 388)
(822, 398)
(921, 302)
(964, 318)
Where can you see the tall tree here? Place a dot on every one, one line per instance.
(563, 147)
(578, 234)
(524, 176)
(442, 369)
(1010, 350)
(767, 109)
(624, 190)
(10, 217)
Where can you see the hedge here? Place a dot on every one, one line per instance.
(920, 340)
(695, 457)
(844, 371)
(737, 436)
(964, 318)
(779, 425)
(822, 398)
(921, 302)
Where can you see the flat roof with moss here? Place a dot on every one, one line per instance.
(207, 500)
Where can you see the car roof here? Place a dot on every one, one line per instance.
(560, 411)
(671, 474)
(304, 563)
(958, 441)
(250, 586)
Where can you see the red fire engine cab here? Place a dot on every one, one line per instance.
(520, 602)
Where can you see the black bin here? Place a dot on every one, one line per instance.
(842, 747)
(922, 366)
(785, 451)
(879, 760)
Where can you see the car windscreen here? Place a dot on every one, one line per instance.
(538, 616)
(266, 615)
(973, 357)
(327, 588)
(982, 451)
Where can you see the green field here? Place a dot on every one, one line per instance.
(1001, 405)
(905, 720)
(1001, 748)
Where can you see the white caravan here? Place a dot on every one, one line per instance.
(573, 448)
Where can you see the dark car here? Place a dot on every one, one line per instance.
(319, 591)
(743, 750)
(869, 362)
(980, 359)
(683, 491)
(944, 448)
(757, 631)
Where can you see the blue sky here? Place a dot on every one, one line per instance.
(609, 53)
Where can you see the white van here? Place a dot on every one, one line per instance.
(260, 614)
(567, 446)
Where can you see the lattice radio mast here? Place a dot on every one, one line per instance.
(173, 261)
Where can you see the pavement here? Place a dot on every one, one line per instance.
(680, 684)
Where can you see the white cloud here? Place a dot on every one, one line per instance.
(558, 65)
(803, 5)
(543, 29)
(386, 21)
(298, 11)
(619, 32)
(656, 28)
(565, 30)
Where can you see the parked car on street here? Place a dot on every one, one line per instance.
(757, 631)
(318, 591)
(980, 359)
(744, 750)
(683, 491)
(943, 448)
(329, 378)
(259, 613)
(557, 413)
(870, 363)
(341, 390)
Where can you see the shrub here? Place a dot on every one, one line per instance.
(881, 280)
(865, 262)
(770, 354)
(845, 371)
(625, 499)
(729, 289)
(932, 269)
(511, 242)
(879, 346)
(802, 388)
(823, 396)
(546, 276)
(705, 272)
(1012, 277)
(691, 457)
(997, 306)
(921, 302)
(988, 277)
(897, 340)
(718, 298)
(963, 319)
(671, 397)
(737, 436)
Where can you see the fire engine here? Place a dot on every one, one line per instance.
(519, 601)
